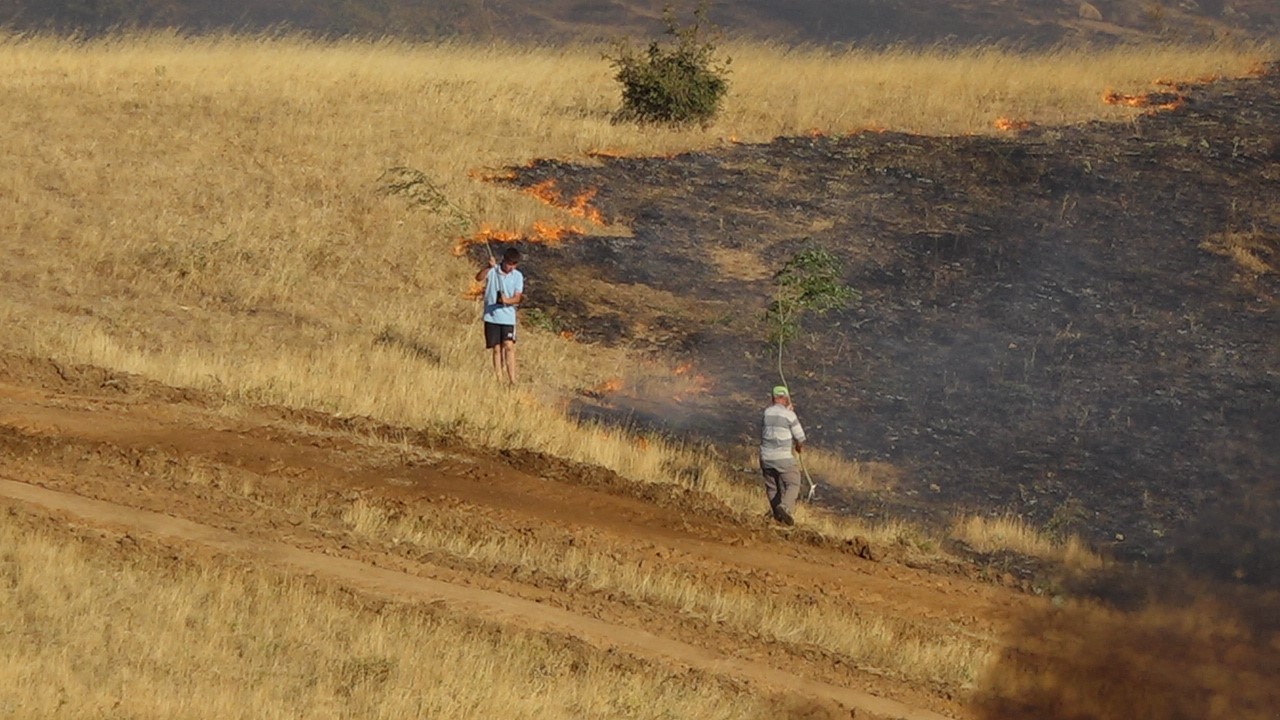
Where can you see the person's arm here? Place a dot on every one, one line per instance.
(797, 435)
(515, 297)
(483, 274)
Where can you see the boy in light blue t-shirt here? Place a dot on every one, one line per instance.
(503, 291)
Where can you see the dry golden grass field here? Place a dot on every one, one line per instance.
(220, 323)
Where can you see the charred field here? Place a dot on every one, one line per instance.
(1075, 324)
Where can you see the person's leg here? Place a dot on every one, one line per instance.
(509, 359)
(497, 362)
(493, 343)
(771, 488)
(789, 490)
(500, 339)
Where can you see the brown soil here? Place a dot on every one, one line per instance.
(143, 461)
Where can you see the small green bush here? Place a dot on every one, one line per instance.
(677, 85)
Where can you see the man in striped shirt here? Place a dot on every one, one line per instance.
(782, 434)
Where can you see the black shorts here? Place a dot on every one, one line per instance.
(495, 334)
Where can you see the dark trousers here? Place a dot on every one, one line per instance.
(782, 487)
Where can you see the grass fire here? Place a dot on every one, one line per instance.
(237, 379)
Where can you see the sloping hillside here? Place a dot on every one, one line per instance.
(132, 481)
(253, 462)
(1078, 324)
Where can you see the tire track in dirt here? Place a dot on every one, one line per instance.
(139, 444)
(489, 605)
(84, 433)
(478, 480)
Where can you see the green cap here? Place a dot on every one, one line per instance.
(780, 391)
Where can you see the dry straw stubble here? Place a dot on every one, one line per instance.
(228, 641)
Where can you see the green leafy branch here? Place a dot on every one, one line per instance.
(419, 191)
(810, 282)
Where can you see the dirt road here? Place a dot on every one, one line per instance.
(287, 488)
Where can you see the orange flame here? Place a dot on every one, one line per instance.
(816, 133)
(1140, 101)
(485, 235)
(582, 208)
(543, 232)
(579, 206)
(568, 334)
(694, 383)
(1010, 124)
(1115, 98)
(606, 154)
(546, 232)
(545, 191)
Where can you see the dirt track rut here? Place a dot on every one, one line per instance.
(120, 452)
(285, 487)
(490, 605)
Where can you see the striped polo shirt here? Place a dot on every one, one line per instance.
(781, 429)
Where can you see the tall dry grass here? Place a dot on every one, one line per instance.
(91, 634)
(208, 212)
(933, 654)
(1013, 533)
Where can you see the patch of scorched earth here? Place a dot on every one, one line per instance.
(1077, 324)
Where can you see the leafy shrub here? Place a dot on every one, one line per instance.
(680, 84)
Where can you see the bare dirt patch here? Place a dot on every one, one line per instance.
(272, 485)
(277, 485)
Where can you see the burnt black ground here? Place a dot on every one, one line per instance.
(1042, 329)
